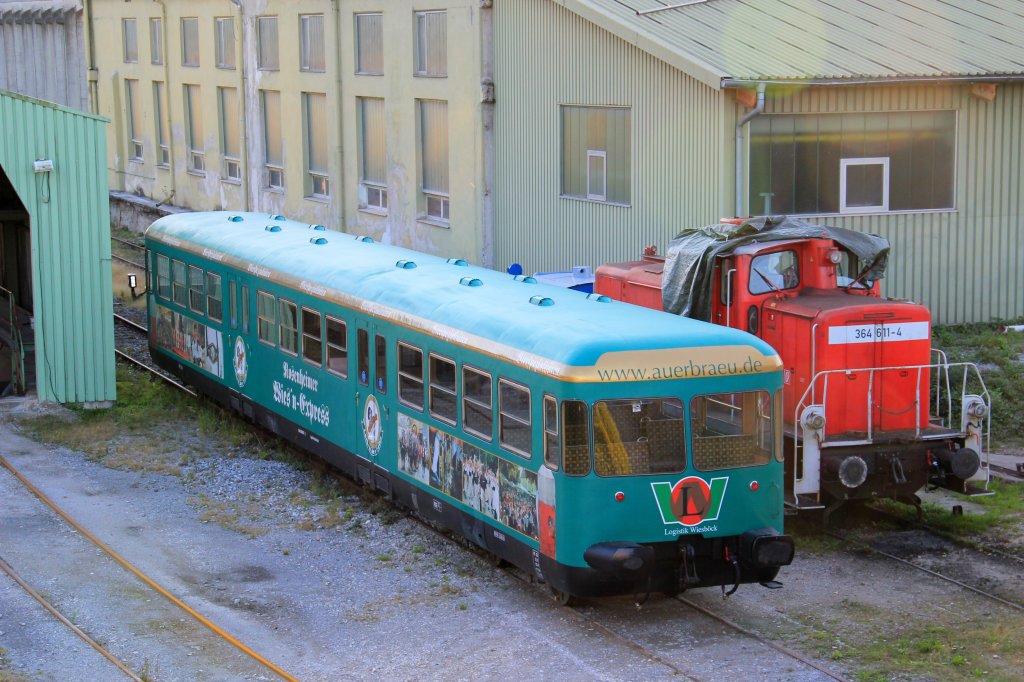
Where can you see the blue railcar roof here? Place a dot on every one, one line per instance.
(573, 330)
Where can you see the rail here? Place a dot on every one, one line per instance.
(17, 343)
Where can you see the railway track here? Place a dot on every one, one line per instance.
(136, 356)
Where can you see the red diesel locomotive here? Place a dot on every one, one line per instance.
(871, 410)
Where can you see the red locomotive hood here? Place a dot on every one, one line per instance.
(837, 306)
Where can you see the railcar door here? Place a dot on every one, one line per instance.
(372, 408)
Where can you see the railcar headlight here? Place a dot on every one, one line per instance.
(853, 471)
(977, 409)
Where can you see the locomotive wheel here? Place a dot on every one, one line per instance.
(562, 598)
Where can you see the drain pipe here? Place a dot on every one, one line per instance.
(739, 146)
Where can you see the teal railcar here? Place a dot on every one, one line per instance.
(604, 447)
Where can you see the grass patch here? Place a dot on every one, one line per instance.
(1001, 360)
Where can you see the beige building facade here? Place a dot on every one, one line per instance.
(368, 117)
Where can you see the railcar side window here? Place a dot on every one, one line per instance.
(288, 326)
(233, 303)
(442, 399)
(773, 272)
(552, 441)
(266, 318)
(477, 403)
(780, 453)
(337, 347)
(363, 356)
(214, 298)
(380, 367)
(575, 438)
(245, 309)
(163, 277)
(178, 280)
(196, 299)
(731, 430)
(312, 337)
(514, 432)
(410, 376)
(150, 270)
(639, 436)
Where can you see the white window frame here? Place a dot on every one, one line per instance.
(156, 40)
(603, 155)
(882, 161)
(306, 47)
(187, 25)
(130, 40)
(162, 128)
(265, 60)
(226, 59)
(134, 117)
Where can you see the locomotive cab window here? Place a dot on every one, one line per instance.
(848, 272)
(443, 403)
(163, 276)
(178, 282)
(288, 327)
(639, 436)
(312, 337)
(410, 376)
(477, 403)
(731, 430)
(337, 347)
(774, 271)
(266, 318)
(214, 298)
(196, 293)
(514, 430)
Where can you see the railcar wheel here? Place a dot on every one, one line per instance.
(562, 598)
(496, 561)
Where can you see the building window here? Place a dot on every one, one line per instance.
(370, 44)
(229, 136)
(270, 103)
(266, 318)
(314, 109)
(178, 282)
(156, 40)
(266, 42)
(190, 41)
(477, 403)
(372, 166)
(311, 42)
(194, 130)
(288, 326)
(514, 431)
(410, 376)
(160, 108)
(214, 297)
(443, 402)
(224, 33)
(134, 117)
(433, 120)
(312, 337)
(431, 43)
(196, 293)
(596, 143)
(131, 41)
(852, 163)
(337, 347)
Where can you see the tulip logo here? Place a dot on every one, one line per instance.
(691, 501)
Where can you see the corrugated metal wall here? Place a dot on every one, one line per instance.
(967, 265)
(546, 56)
(70, 232)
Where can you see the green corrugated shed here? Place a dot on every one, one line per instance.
(69, 230)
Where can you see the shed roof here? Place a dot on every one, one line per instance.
(727, 42)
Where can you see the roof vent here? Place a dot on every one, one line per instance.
(405, 265)
(542, 301)
(365, 240)
(457, 261)
(236, 218)
(272, 228)
(471, 282)
(318, 241)
(600, 298)
(278, 218)
(318, 228)
(525, 279)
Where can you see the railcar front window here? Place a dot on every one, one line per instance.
(288, 327)
(337, 347)
(773, 272)
(639, 436)
(178, 280)
(732, 430)
(514, 432)
(214, 297)
(442, 389)
(312, 337)
(477, 403)
(163, 276)
(266, 317)
(575, 438)
(410, 376)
